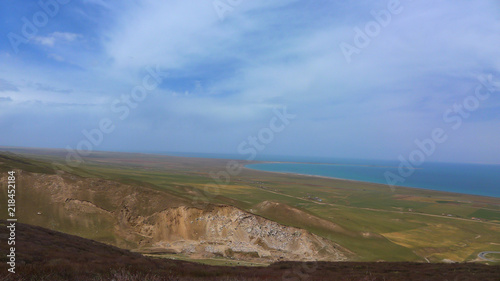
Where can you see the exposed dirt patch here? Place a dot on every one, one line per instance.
(144, 219)
(225, 231)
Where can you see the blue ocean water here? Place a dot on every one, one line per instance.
(478, 179)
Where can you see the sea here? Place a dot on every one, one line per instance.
(476, 179)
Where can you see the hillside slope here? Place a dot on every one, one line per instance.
(129, 200)
(44, 254)
(143, 219)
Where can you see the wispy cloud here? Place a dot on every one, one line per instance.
(7, 86)
(48, 88)
(225, 76)
(56, 37)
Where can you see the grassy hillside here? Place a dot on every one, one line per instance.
(44, 254)
(369, 220)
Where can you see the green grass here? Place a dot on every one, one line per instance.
(494, 256)
(486, 214)
(406, 225)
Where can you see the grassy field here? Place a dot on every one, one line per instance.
(370, 220)
(52, 255)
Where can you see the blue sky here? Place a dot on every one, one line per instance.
(226, 74)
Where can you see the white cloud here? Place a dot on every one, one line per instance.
(46, 41)
(66, 36)
(56, 37)
(269, 53)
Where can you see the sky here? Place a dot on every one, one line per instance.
(343, 79)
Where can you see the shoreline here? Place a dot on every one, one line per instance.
(362, 182)
(330, 164)
(245, 163)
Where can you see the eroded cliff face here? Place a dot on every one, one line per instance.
(148, 220)
(230, 232)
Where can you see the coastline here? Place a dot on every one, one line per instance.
(307, 175)
(360, 181)
(329, 164)
(246, 163)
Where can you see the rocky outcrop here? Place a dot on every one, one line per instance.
(149, 220)
(230, 232)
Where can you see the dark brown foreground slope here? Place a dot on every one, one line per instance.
(44, 254)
